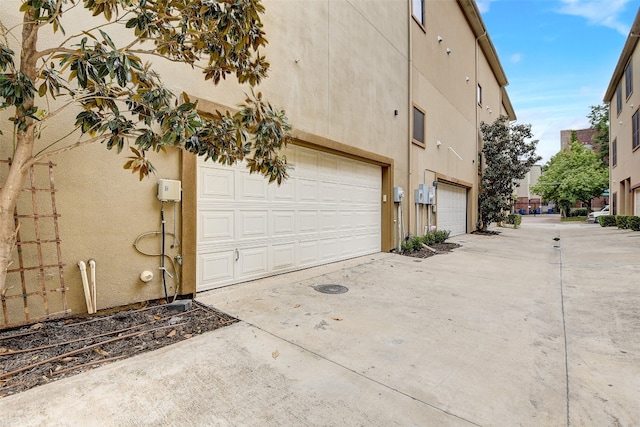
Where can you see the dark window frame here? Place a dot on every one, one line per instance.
(614, 153)
(628, 79)
(421, 112)
(635, 130)
(619, 98)
(479, 94)
(418, 4)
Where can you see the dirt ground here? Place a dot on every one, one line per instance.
(37, 354)
(437, 248)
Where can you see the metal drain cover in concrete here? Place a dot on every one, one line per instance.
(331, 289)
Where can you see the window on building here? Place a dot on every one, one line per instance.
(479, 94)
(614, 153)
(418, 11)
(628, 79)
(619, 98)
(635, 125)
(418, 126)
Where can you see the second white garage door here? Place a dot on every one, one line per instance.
(452, 208)
(328, 210)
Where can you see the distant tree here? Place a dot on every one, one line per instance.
(599, 120)
(573, 175)
(508, 157)
(121, 101)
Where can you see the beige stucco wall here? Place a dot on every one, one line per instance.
(102, 210)
(625, 175)
(444, 84)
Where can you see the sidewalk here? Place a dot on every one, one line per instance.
(473, 337)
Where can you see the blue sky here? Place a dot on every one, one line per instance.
(558, 56)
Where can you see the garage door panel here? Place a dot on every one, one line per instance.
(328, 249)
(328, 192)
(216, 226)
(636, 196)
(216, 267)
(283, 223)
(327, 166)
(284, 192)
(307, 190)
(308, 252)
(253, 261)
(284, 256)
(308, 221)
(252, 224)
(347, 220)
(252, 187)
(328, 221)
(306, 161)
(216, 184)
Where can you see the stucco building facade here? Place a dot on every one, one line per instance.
(382, 95)
(623, 98)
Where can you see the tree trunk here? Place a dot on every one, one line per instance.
(23, 152)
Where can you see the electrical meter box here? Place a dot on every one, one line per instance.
(418, 196)
(169, 190)
(430, 196)
(398, 194)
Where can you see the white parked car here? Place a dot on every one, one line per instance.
(593, 216)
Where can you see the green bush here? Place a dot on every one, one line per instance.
(622, 221)
(633, 222)
(515, 219)
(607, 220)
(416, 243)
(441, 235)
(579, 212)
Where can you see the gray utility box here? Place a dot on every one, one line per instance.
(425, 194)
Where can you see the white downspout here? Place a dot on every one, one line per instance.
(92, 266)
(85, 285)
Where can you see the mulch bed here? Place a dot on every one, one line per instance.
(440, 248)
(47, 351)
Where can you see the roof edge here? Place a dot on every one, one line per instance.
(627, 51)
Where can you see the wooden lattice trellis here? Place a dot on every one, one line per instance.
(35, 278)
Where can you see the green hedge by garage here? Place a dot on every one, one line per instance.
(623, 222)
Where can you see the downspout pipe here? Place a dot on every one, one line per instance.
(409, 111)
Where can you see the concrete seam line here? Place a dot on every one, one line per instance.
(564, 331)
(364, 376)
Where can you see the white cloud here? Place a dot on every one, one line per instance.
(597, 12)
(483, 5)
(515, 58)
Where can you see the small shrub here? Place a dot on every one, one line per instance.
(622, 221)
(413, 244)
(579, 212)
(607, 220)
(441, 235)
(515, 219)
(633, 222)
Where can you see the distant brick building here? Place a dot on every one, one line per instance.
(585, 136)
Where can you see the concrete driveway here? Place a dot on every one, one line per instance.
(508, 330)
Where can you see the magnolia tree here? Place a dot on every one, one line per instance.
(118, 99)
(509, 155)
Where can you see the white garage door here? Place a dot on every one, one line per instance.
(636, 198)
(452, 208)
(328, 210)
